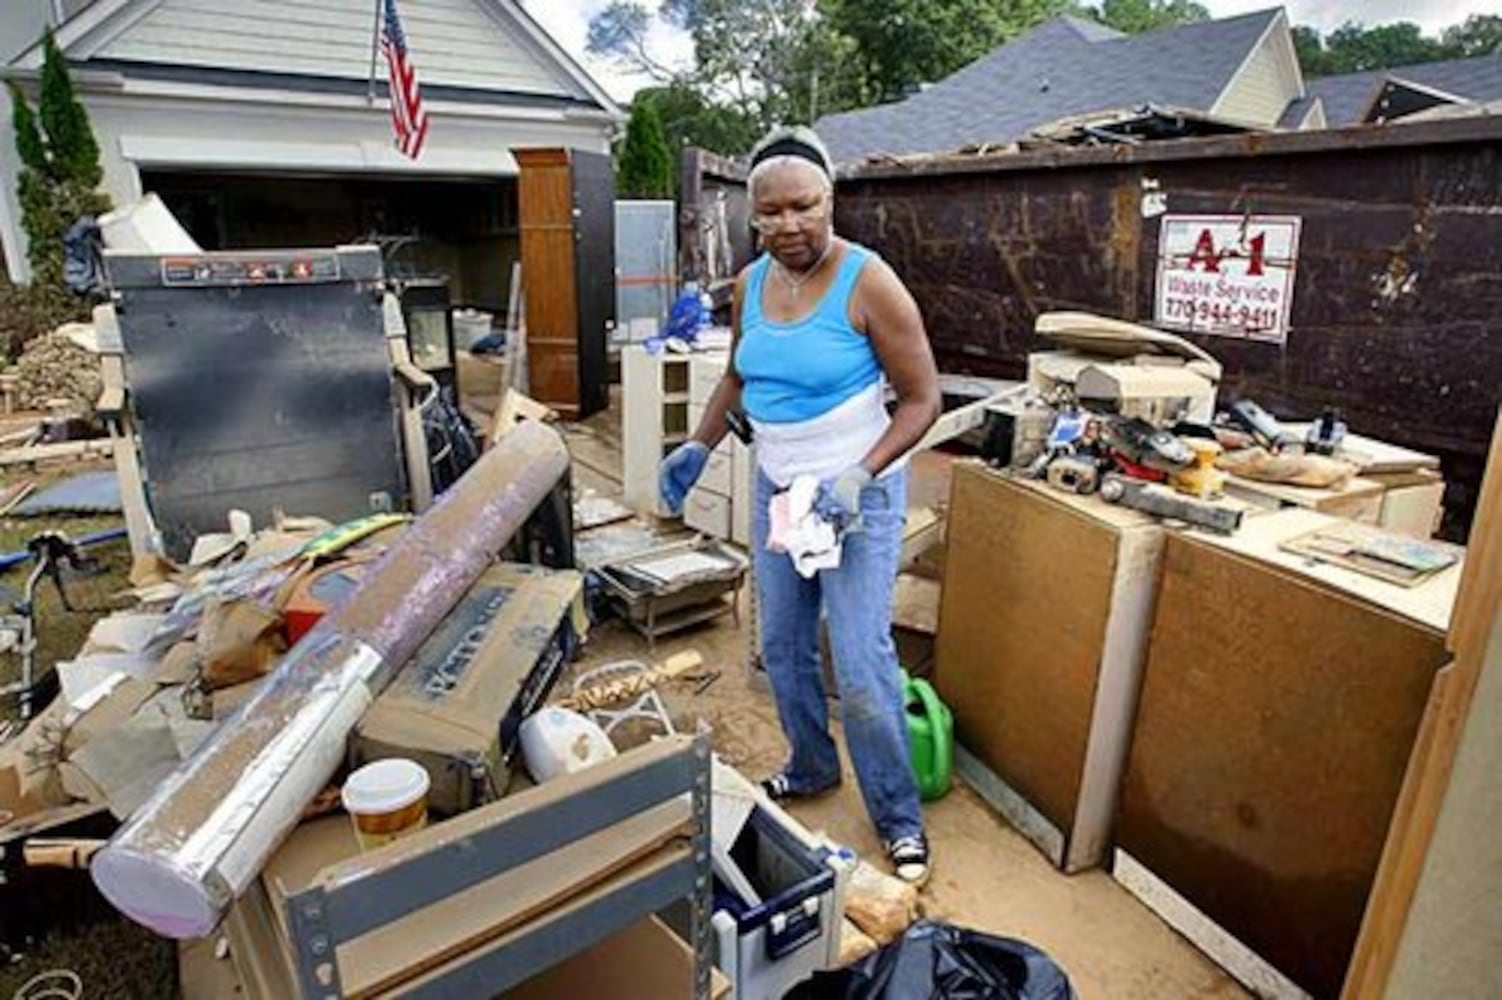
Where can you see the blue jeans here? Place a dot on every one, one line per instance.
(857, 604)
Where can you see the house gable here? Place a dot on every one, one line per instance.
(488, 46)
(1267, 82)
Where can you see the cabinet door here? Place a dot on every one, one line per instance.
(594, 270)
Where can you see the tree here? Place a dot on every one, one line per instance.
(689, 120)
(1355, 48)
(1135, 17)
(1477, 35)
(901, 44)
(57, 184)
(1314, 60)
(646, 167)
(760, 59)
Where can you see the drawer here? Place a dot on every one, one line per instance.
(704, 377)
(716, 475)
(707, 512)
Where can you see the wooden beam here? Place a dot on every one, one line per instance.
(1433, 759)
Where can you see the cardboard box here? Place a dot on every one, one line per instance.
(455, 708)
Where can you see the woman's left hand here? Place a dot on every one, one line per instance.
(839, 500)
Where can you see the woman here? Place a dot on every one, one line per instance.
(820, 324)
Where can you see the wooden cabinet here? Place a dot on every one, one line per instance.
(1047, 600)
(567, 215)
(1279, 706)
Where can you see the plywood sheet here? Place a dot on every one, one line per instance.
(1027, 587)
(1275, 722)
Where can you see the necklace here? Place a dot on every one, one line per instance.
(795, 285)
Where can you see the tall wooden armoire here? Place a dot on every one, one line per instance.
(567, 213)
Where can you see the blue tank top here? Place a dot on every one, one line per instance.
(797, 371)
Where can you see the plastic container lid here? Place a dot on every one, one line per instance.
(385, 786)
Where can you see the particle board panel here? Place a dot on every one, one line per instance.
(1040, 677)
(1276, 719)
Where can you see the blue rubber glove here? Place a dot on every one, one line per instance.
(678, 473)
(839, 500)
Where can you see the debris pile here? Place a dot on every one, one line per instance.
(61, 365)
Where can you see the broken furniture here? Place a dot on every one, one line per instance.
(265, 381)
(720, 503)
(456, 708)
(1413, 503)
(1280, 702)
(1047, 599)
(484, 902)
(1125, 368)
(664, 397)
(675, 586)
(567, 209)
(209, 828)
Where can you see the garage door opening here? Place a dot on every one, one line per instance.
(461, 231)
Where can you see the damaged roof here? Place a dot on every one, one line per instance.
(1063, 67)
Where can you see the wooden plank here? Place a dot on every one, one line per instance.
(97, 448)
(1028, 580)
(653, 864)
(1359, 500)
(1276, 718)
(545, 193)
(466, 920)
(1428, 776)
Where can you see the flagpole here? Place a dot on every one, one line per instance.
(375, 44)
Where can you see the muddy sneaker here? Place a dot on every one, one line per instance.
(779, 788)
(909, 857)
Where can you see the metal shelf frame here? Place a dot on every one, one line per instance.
(324, 916)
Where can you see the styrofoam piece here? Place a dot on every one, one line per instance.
(145, 226)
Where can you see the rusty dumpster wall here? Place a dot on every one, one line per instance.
(1397, 304)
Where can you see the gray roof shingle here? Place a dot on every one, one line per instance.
(1347, 97)
(1066, 66)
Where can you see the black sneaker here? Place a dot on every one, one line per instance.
(779, 788)
(909, 857)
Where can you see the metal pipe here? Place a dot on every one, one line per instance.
(207, 832)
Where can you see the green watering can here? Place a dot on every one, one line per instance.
(930, 735)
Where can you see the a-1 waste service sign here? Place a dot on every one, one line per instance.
(1230, 275)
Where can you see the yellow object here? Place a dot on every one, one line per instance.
(1202, 479)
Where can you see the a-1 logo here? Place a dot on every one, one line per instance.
(1206, 254)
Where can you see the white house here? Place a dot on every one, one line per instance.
(257, 123)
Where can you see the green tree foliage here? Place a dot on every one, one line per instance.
(1477, 35)
(1354, 48)
(901, 44)
(57, 184)
(689, 120)
(1137, 16)
(646, 162)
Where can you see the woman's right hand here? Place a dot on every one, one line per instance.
(678, 473)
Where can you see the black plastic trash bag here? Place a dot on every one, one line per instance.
(940, 962)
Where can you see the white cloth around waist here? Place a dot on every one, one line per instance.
(826, 445)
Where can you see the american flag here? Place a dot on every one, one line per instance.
(408, 117)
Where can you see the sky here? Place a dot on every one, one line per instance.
(568, 22)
